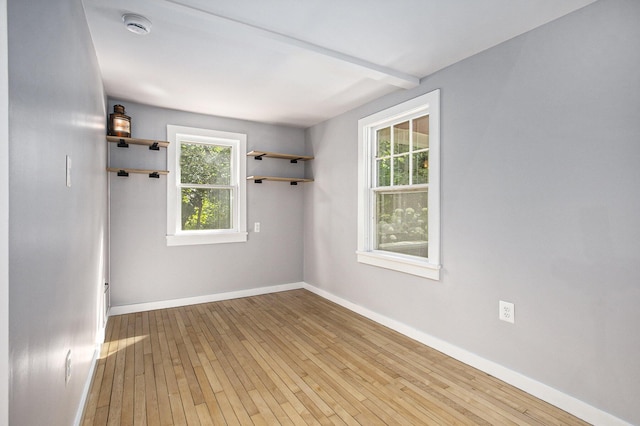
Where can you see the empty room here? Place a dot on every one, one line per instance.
(418, 212)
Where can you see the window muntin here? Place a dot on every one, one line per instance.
(399, 196)
(206, 192)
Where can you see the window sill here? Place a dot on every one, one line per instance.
(400, 264)
(213, 238)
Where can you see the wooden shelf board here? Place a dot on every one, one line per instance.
(135, 141)
(278, 179)
(279, 155)
(141, 171)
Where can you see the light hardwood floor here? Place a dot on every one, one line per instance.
(289, 358)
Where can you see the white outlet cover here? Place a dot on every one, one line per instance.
(506, 312)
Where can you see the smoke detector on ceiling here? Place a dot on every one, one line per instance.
(136, 23)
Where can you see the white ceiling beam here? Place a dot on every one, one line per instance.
(369, 69)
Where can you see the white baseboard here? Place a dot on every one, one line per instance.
(163, 304)
(87, 386)
(546, 393)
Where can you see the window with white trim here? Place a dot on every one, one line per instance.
(206, 188)
(399, 187)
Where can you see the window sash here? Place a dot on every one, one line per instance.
(409, 230)
(393, 157)
(231, 206)
(187, 140)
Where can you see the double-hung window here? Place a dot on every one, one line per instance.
(399, 187)
(206, 201)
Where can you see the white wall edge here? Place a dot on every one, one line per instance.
(546, 393)
(87, 386)
(4, 216)
(163, 304)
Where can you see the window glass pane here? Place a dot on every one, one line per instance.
(401, 138)
(384, 172)
(421, 167)
(383, 138)
(401, 170)
(205, 164)
(204, 208)
(421, 133)
(401, 223)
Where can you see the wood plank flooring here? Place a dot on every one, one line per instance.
(289, 358)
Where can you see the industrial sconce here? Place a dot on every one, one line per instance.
(119, 123)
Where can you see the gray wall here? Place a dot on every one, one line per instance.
(540, 207)
(56, 234)
(144, 269)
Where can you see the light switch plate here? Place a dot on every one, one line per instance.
(68, 171)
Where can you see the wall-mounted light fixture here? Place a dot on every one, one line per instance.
(119, 123)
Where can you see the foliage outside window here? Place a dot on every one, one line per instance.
(399, 187)
(402, 177)
(205, 185)
(205, 200)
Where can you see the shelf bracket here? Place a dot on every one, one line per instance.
(154, 175)
(154, 146)
(294, 161)
(293, 183)
(123, 173)
(258, 181)
(122, 144)
(258, 157)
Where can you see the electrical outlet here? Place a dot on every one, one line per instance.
(256, 227)
(67, 367)
(507, 312)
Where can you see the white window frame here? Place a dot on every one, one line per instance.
(238, 142)
(366, 253)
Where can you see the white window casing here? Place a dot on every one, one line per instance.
(367, 253)
(238, 142)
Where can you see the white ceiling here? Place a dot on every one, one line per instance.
(295, 62)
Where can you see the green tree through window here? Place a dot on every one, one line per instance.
(206, 190)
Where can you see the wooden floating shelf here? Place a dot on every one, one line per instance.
(291, 157)
(293, 181)
(135, 141)
(151, 173)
